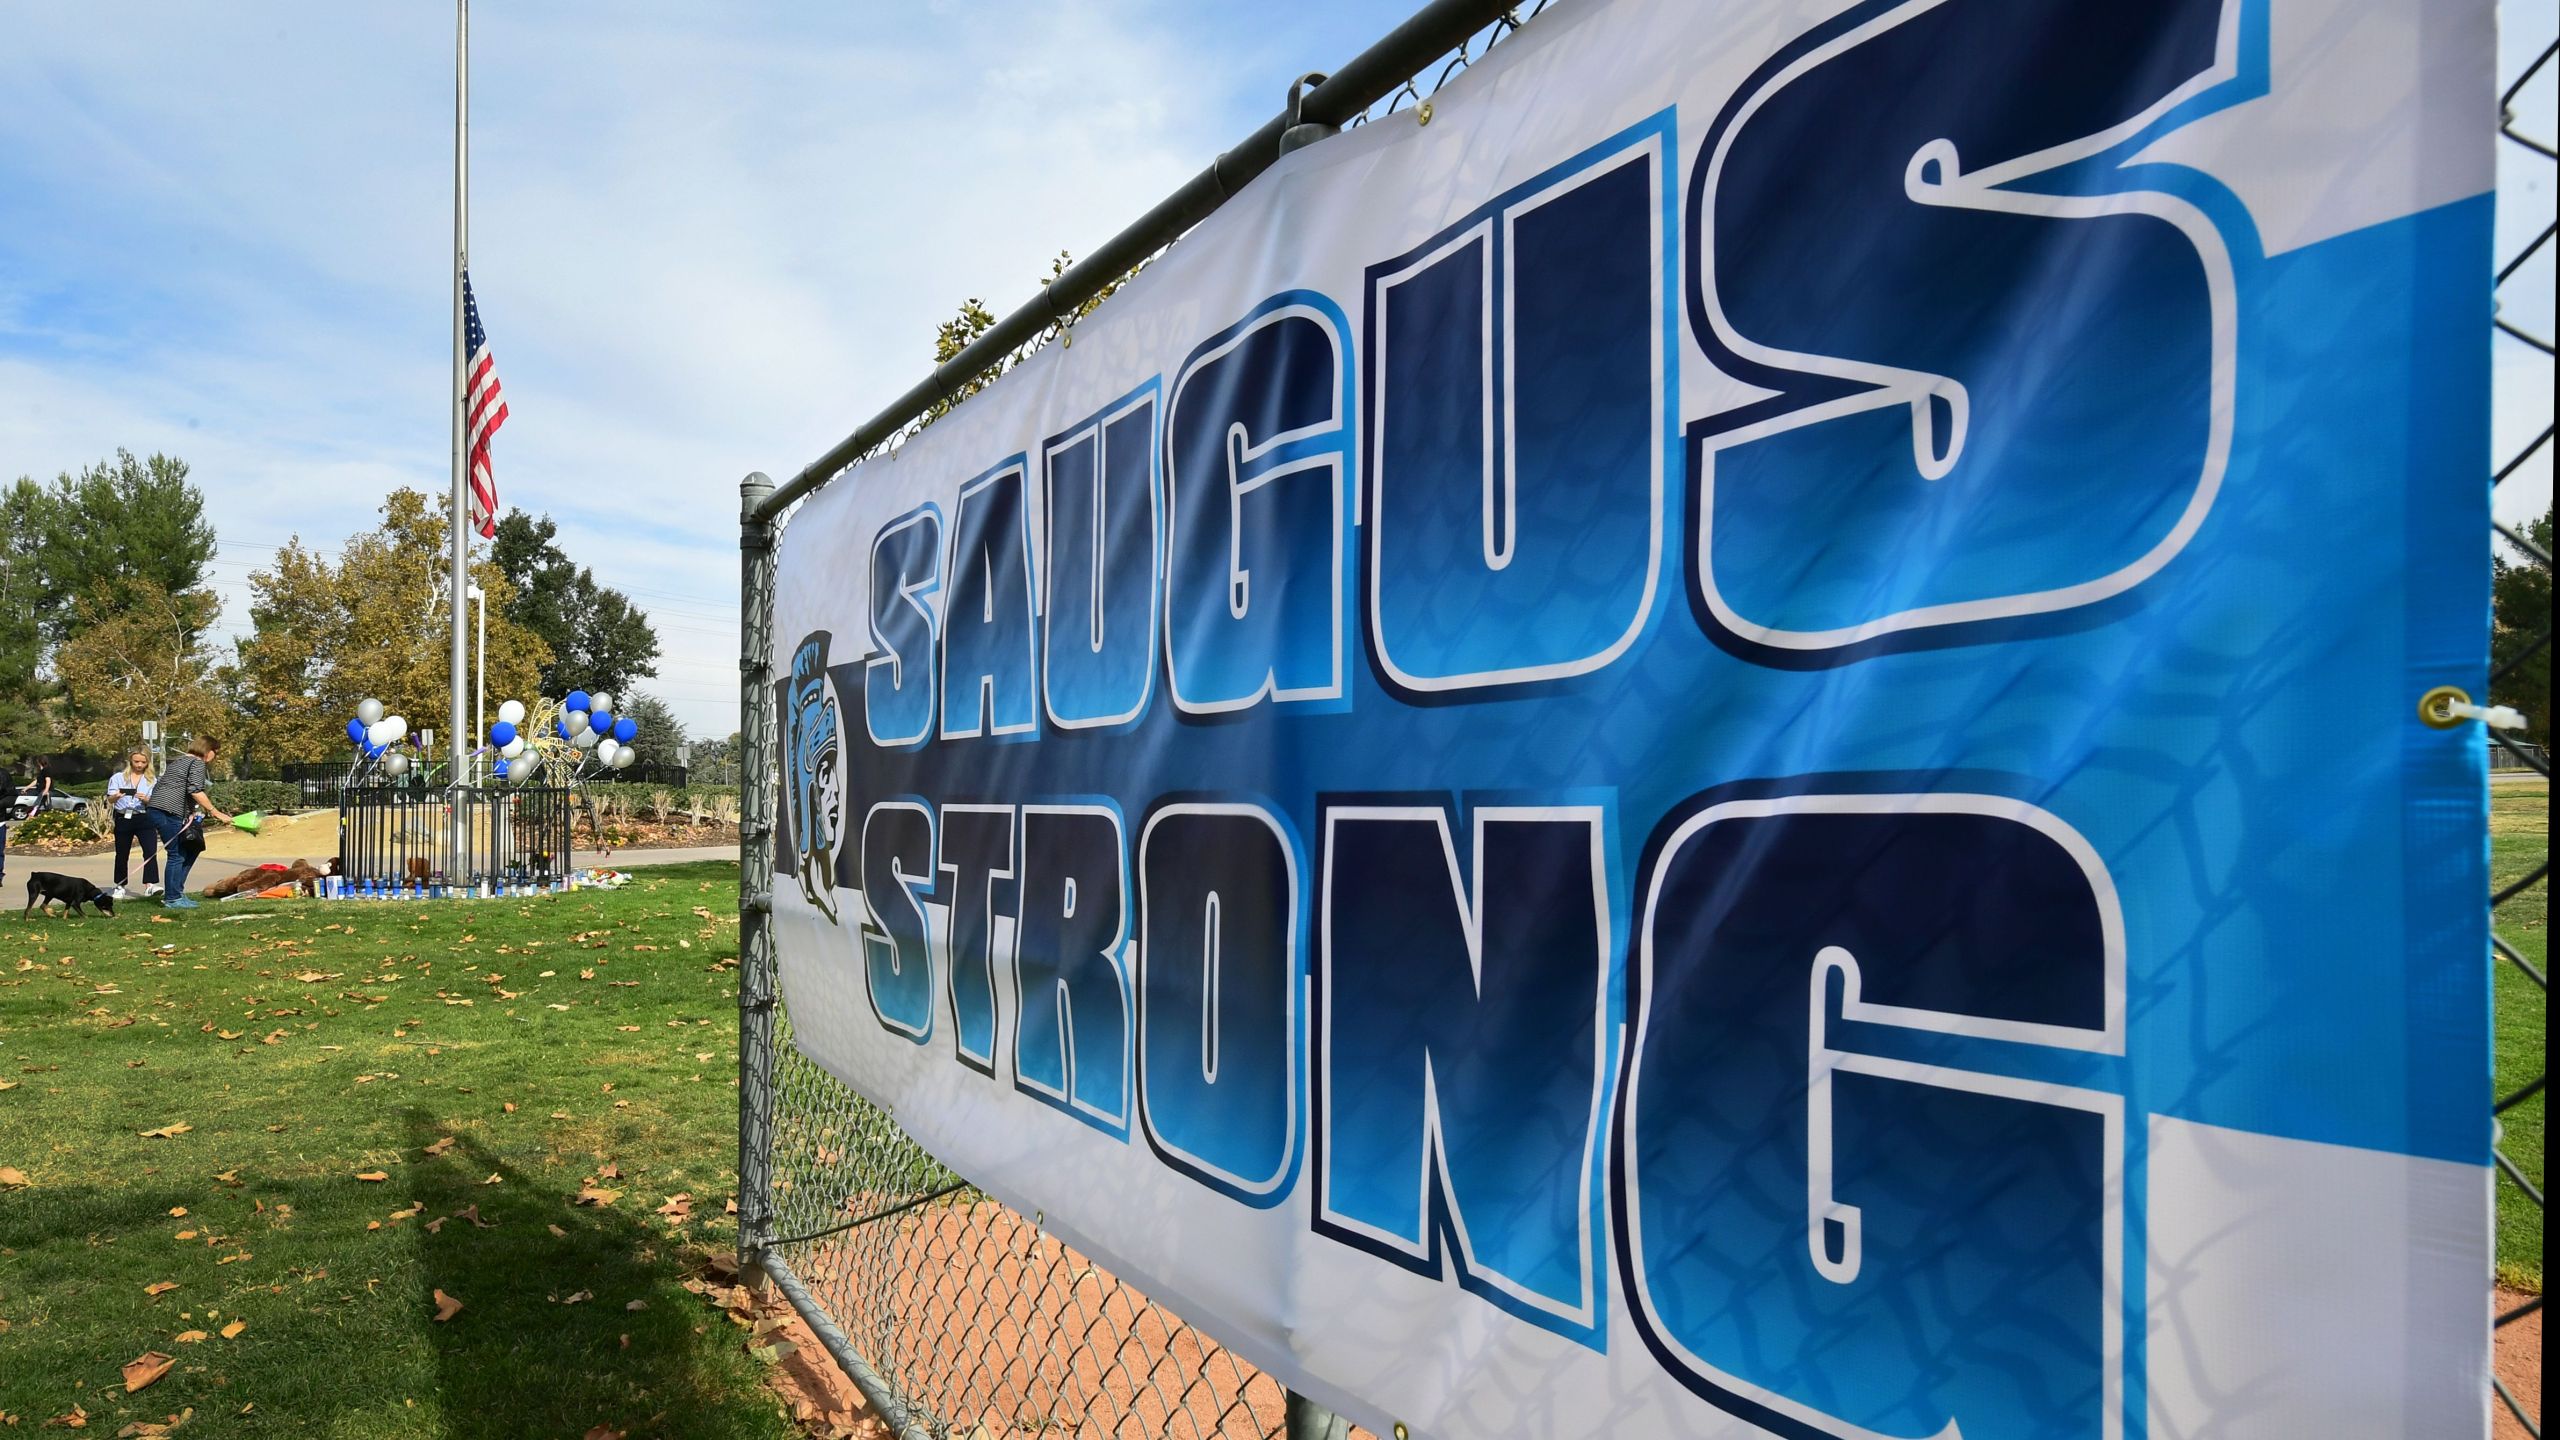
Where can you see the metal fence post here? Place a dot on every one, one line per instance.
(1304, 1419)
(756, 794)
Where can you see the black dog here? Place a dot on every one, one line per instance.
(45, 887)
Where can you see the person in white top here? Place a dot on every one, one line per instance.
(127, 790)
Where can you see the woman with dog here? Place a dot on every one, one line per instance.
(180, 788)
(127, 789)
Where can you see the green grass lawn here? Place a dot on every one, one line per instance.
(502, 1055)
(2519, 840)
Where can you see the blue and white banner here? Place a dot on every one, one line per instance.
(1723, 739)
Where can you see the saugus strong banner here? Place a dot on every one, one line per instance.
(1726, 742)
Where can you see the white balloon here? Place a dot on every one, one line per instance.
(512, 712)
(577, 720)
(605, 749)
(396, 763)
(512, 748)
(399, 726)
(623, 757)
(600, 700)
(585, 739)
(522, 769)
(369, 710)
(378, 733)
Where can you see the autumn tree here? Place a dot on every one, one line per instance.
(138, 651)
(25, 727)
(377, 623)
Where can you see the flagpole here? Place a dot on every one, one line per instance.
(460, 513)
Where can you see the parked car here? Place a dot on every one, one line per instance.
(25, 806)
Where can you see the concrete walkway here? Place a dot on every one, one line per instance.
(100, 869)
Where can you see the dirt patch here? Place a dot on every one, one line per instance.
(625, 834)
(2518, 1362)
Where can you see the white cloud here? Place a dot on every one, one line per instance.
(705, 241)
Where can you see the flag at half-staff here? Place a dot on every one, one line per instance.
(484, 409)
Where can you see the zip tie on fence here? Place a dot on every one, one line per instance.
(2449, 705)
(898, 1209)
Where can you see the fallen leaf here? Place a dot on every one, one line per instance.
(593, 1195)
(440, 1146)
(13, 1178)
(159, 1287)
(170, 1131)
(472, 1214)
(191, 1337)
(78, 1419)
(145, 1368)
(232, 1330)
(637, 1305)
(374, 1177)
(679, 1206)
(177, 1210)
(446, 1307)
(8, 1084)
(580, 1298)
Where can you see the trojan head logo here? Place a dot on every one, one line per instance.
(812, 748)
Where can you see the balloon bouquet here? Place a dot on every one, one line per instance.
(379, 739)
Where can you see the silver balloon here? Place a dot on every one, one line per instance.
(623, 756)
(576, 720)
(369, 710)
(585, 739)
(606, 748)
(521, 769)
(512, 748)
(395, 763)
(601, 700)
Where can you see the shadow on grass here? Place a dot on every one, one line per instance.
(563, 1332)
(339, 1338)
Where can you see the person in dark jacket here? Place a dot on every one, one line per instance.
(180, 791)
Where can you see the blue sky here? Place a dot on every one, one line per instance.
(706, 239)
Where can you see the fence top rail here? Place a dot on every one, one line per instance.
(1372, 75)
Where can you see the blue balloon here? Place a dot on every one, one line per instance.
(372, 751)
(562, 726)
(502, 733)
(624, 729)
(502, 769)
(577, 700)
(355, 731)
(601, 722)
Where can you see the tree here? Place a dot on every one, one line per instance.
(25, 728)
(119, 530)
(660, 731)
(2520, 632)
(715, 762)
(376, 623)
(598, 638)
(137, 652)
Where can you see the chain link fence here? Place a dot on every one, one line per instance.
(957, 1316)
(2519, 911)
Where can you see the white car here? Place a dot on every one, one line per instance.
(26, 804)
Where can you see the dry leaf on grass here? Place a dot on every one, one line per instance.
(446, 1307)
(145, 1368)
(374, 1177)
(232, 1330)
(440, 1146)
(592, 1195)
(159, 1287)
(170, 1131)
(13, 1178)
(191, 1337)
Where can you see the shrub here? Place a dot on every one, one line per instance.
(235, 796)
(53, 825)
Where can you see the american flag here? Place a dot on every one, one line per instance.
(484, 409)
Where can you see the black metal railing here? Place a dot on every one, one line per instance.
(457, 839)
